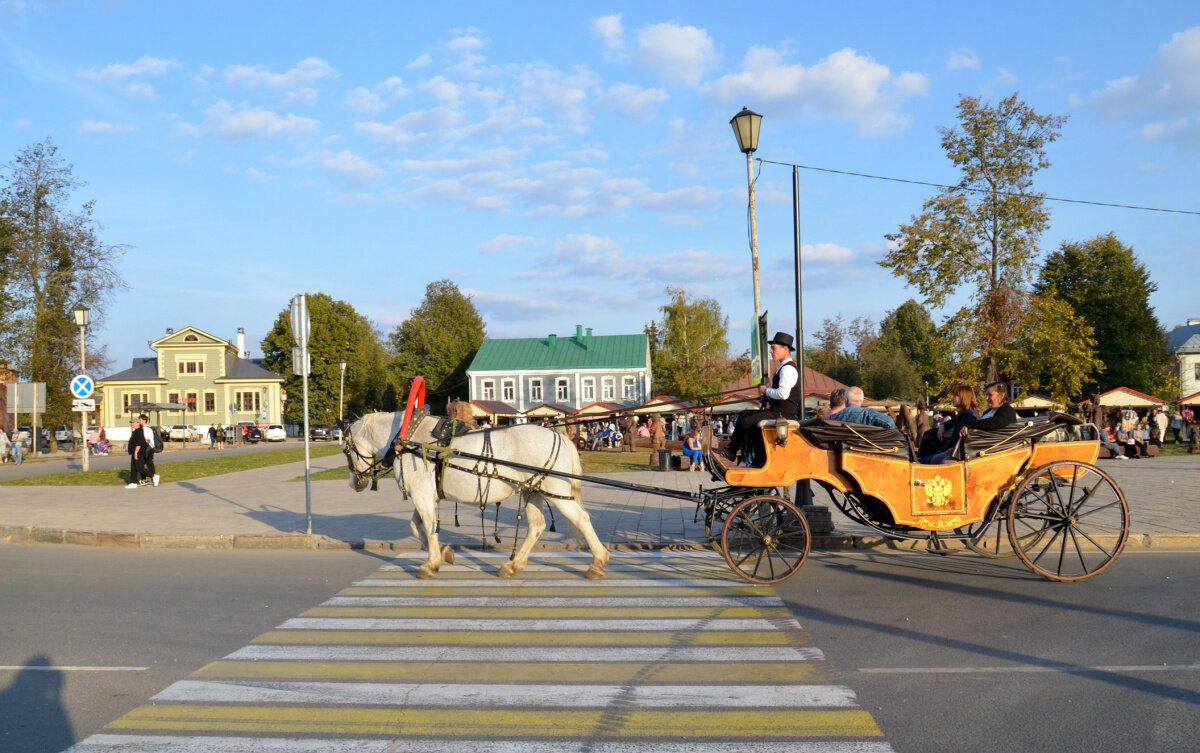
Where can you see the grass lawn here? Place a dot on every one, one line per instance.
(183, 470)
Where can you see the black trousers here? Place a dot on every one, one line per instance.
(148, 469)
(137, 468)
(746, 437)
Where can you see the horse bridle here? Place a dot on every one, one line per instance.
(376, 466)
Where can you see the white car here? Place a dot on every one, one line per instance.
(181, 433)
(275, 433)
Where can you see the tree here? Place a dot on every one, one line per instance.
(437, 341)
(910, 329)
(984, 231)
(1110, 290)
(690, 358)
(339, 333)
(1054, 353)
(51, 259)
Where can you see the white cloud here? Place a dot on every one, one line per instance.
(253, 122)
(845, 84)
(297, 82)
(677, 54)
(413, 126)
(22, 123)
(691, 265)
(104, 127)
(117, 75)
(441, 89)
(830, 253)
(630, 101)
(963, 57)
(258, 176)
(541, 86)
(513, 307)
(500, 158)
(508, 242)
(467, 41)
(691, 197)
(356, 170)
(421, 62)
(1164, 99)
(581, 254)
(611, 34)
(1004, 79)
(378, 97)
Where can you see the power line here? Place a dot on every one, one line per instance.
(976, 190)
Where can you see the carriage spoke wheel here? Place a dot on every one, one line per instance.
(995, 542)
(1068, 520)
(765, 539)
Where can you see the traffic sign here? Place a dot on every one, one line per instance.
(82, 386)
(86, 406)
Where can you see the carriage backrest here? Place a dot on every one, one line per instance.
(985, 442)
(875, 440)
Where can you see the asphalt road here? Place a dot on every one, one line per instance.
(959, 653)
(951, 653)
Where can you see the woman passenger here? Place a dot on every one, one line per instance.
(942, 439)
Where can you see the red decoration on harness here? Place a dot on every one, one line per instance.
(416, 401)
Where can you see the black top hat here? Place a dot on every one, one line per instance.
(782, 338)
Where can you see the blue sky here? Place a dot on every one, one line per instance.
(564, 163)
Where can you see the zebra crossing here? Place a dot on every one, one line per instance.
(669, 652)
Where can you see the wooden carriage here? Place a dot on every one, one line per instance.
(1029, 490)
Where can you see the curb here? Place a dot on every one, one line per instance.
(319, 542)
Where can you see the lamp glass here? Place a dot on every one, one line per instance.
(81, 316)
(745, 127)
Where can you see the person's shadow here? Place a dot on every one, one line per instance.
(32, 717)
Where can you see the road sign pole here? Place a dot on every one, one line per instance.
(300, 331)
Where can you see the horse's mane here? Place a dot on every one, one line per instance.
(378, 430)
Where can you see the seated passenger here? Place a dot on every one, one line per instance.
(781, 401)
(693, 450)
(1000, 413)
(944, 437)
(840, 409)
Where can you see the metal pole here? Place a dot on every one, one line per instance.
(82, 415)
(307, 461)
(803, 488)
(341, 391)
(753, 234)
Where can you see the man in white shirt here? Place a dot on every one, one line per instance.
(148, 466)
(782, 400)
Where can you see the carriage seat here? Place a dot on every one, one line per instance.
(876, 440)
(979, 443)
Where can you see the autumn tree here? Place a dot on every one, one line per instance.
(338, 333)
(1054, 352)
(910, 329)
(51, 260)
(691, 355)
(437, 341)
(1110, 289)
(983, 232)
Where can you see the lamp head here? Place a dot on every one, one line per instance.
(81, 315)
(745, 127)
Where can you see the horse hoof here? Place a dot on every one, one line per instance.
(426, 572)
(507, 570)
(594, 572)
(447, 555)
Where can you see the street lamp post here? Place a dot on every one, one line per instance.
(81, 321)
(341, 390)
(745, 127)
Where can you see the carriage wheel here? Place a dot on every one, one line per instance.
(765, 539)
(1068, 520)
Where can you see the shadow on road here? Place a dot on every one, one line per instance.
(32, 716)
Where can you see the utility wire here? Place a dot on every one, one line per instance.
(976, 190)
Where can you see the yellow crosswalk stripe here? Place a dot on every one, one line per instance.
(552, 612)
(516, 638)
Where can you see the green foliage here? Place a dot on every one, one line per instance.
(690, 355)
(51, 259)
(983, 232)
(885, 371)
(338, 333)
(437, 341)
(911, 330)
(1054, 353)
(1110, 290)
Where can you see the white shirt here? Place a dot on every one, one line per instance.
(148, 433)
(787, 380)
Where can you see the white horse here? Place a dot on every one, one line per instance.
(368, 440)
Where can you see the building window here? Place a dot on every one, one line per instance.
(210, 402)
(1196, 371)
(191, 368)
(191, 401)
(562, 389)
(609, 388)
(246, 401)
(508, 390)
(535, 390)
(627, 388)
(589, 389)
(131, 398)
(172, 397)
(489, 389)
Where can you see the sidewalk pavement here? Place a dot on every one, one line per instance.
(265, 509)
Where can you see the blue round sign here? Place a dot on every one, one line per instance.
(82, 386)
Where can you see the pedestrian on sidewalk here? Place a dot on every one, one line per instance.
(137, 453)
(5, 446)
(152, 445)
(212, 437)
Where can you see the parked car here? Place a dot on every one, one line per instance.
(63, 434)
(275, 433)
(180, 433)
(320, 432)
(253, 434)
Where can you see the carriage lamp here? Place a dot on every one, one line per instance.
(781, 432)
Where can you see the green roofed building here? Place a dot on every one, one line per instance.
(526, 372)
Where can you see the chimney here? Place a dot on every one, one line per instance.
(241, 342)
(552, 340)
(579, 334)
(170, 330)
(1193, 322)
(589, 339)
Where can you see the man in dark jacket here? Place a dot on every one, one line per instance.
(1000, 412)
(781, 398)
(137, 454)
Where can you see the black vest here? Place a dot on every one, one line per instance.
(791, 406)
